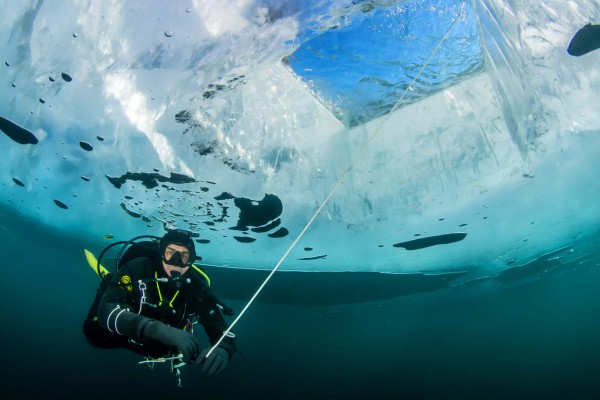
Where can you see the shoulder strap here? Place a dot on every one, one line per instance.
(201, 272)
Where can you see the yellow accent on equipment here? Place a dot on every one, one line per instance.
(202, 273)
(91, 259)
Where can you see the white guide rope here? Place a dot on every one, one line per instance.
(335, 187)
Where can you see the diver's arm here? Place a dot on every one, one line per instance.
(122, 321)
(208, 308)
(114, 310)
(214, 325)
(140, 328)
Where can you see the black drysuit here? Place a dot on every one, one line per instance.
(125, 310)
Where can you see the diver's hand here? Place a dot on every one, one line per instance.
(184, 341)
(216, 362)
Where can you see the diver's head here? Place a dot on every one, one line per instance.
(177, 251)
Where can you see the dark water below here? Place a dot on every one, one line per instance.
(539, 339)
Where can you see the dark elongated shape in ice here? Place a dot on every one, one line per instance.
(17, 133)
(429, 241)
(585, 40)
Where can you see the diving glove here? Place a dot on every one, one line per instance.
(216, 362)
(184, 341)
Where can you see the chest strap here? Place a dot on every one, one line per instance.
(160, 297)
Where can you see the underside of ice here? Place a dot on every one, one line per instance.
(468, 133)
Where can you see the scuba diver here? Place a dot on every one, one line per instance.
(152, 302)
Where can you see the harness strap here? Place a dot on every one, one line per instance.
(160, 298)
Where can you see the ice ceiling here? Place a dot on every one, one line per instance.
(235, 120)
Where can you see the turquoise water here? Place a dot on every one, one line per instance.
(529, 336)
(459, 259)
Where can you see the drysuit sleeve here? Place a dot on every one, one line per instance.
(114, 310)
(214, 324)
